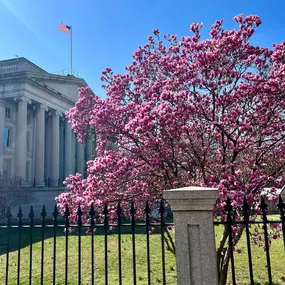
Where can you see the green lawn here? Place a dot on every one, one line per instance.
(259, 261)
(277, 257)
(127, 263)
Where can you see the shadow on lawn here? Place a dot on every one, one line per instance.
(49, 233)
(25, 237)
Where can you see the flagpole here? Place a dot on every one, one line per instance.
(71, 50)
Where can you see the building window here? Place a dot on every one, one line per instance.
(7, 137)
(8, 113)
(7, 168)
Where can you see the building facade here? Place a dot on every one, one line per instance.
(37, 143)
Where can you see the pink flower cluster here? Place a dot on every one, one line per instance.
(187, 112)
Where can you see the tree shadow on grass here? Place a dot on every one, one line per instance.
(12, 234)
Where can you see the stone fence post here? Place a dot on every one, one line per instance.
(196, 260)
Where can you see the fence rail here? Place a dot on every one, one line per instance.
(79, 228)
(246, 222)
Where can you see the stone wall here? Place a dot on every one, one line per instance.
(40, 196)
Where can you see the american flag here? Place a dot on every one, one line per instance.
(64, 28)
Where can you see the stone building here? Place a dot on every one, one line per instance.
(37, 143)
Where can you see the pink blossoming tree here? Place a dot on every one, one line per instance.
(186, 112)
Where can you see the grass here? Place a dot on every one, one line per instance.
(277, 255)
(127, 261)
(260, 272)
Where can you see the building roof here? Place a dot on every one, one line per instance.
(14, 73)
(18, 65)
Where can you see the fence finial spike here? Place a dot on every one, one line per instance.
(31, 213)
(79, 211)
(161, 209)
(55, 211)
(280, 204)
(245, 204)
(147, 208)
(119, 209)
(66, 212)
(105, 211)
(133, 209)
(263, 205)
(20, 213)
(229, 206)
(8, 213)
(43, 212)
(92, 210)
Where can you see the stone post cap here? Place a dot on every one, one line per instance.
(191, 198)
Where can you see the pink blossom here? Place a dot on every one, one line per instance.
(187, 111)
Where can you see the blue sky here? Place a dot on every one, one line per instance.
(106, 32)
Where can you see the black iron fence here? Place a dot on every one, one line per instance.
(18, 234)
(245, 223)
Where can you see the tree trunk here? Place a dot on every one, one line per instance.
(223, 254)
(169, 241)
(224, 273)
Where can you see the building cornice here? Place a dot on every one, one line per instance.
(16, 64)
(60, 78)
(26, 78)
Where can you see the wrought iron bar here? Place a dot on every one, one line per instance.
(55, 215)
(246, 209)
(147, 225)
(31, 218)
(66, 215)
(8, 216)
(20, 223)
(263, 208)
(162, 212)
(231, 249)
(92, 227)
(133, 212)
(43, 215)
(119, 215)
(79, 224)
(105, 212)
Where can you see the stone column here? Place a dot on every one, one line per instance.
(48, 138)
(55, 149)
(61, 148)
(74, 143)
(68, 150)
(40, 145)
(90, 151)
(2, 127)
(80, 160)
(194, 234)
(21, 137)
